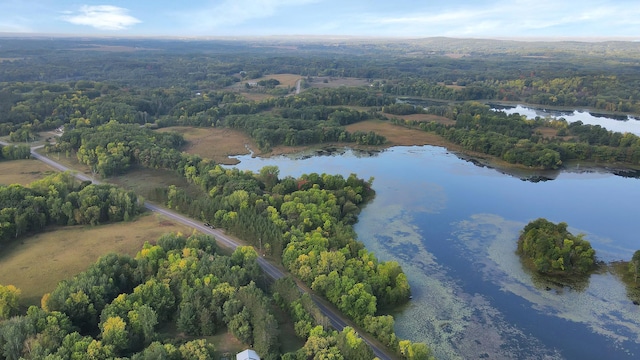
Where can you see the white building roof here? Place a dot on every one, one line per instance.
(247, 355)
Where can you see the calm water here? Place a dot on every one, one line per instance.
(619, 124)
(453, 227)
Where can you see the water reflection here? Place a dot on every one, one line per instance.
(453, 226)
(616, 123)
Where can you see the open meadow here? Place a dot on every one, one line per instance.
(287, 81)
(334, 82)
(398, 135)
(37, 263)
(23, 172)
(144, 181)
(216, 144)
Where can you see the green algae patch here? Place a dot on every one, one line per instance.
(601, 304)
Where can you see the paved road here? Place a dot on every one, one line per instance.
(274, 272)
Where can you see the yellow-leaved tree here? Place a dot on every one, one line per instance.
(9, 298)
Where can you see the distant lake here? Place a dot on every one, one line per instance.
(453, 227)
(618, 123)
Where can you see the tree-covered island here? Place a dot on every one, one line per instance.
(551, 249)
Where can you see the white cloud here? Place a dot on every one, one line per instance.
(510, 18)
(103, 17)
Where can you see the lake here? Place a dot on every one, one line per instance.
(453, 227)
(617, 123)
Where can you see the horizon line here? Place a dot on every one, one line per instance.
(318, 37)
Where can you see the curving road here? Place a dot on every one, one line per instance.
(335, 318)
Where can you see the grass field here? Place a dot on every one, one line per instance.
(423, 118)
(286, 80)
(37, 263)
(334, 82)
(216, 144)
(397, 135)
(23, 172)
(143, 181)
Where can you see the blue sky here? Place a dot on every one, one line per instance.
(377, 18)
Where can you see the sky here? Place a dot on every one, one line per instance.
(361, 18)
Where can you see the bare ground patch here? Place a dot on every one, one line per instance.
(37, 263)
(216, 144)
(23, 172)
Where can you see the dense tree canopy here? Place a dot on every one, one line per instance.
(517, 140)
(552, 249)
(60, 199)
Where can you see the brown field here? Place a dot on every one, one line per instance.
(423, 118)
(37, 263)
(23, 172)
(547, 132)
(334, 82)
(214, 143)
(396, 134)
(286, 80)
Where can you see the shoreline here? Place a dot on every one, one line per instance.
(482, 160)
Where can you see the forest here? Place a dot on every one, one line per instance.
(103, 108)
(518, 140)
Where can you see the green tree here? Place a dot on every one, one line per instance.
(552, 249)
(197, 350)
(9, 301)
(114, 333)
(13, 333)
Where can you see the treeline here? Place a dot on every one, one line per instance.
(409, 86)
(14, 152)
(323, 343)
(603, 91)
(59, 199)
(517, 140)
(115, 308)
(269, 131)
(112, 148)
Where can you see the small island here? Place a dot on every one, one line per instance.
(551, 249)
